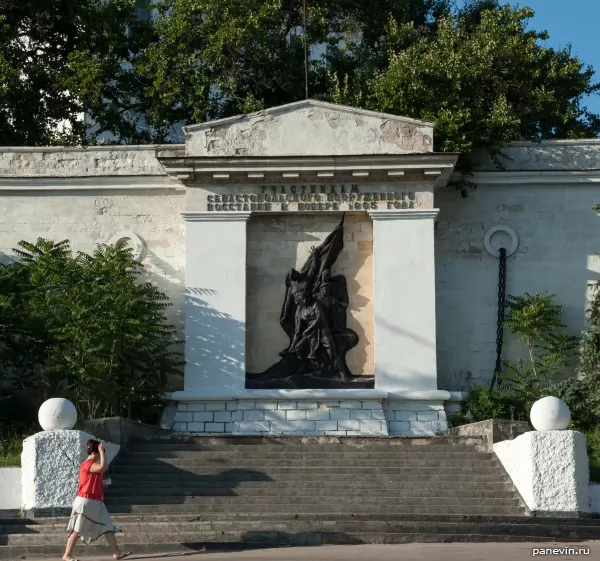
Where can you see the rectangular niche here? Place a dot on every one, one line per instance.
(275, 245)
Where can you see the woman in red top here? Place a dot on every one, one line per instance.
(89, 518)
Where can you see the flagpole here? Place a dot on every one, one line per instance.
(305, 51)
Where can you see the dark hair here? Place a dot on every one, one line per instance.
(92, 447)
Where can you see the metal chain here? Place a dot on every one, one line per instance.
(500, 322)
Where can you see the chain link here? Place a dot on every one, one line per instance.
(500, 321)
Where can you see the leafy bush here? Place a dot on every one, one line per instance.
(592, 438)
(11, 446)
(582, 394)
(484, 403)
(536, 321)
(86, 327)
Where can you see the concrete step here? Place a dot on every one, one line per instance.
(166, 486)
(325, 494)
(236, 476)
(344, 463)
(226, 544)
(481, 508)
(292, 517)
(207, 532)
(373, 469)
(302, 443)
(255, 453)
(299, 500)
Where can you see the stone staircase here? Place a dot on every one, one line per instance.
(191, 493)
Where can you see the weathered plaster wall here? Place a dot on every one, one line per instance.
(10, 488)
(558, 241)
(89, 197)
(278, 243)
(80, 162)
(549, 155)
(90, 218)
(309, 128)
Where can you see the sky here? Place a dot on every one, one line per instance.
(570, 21)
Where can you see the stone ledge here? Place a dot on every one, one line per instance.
(313, 395)
(492, 431)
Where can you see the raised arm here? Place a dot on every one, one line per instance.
(103, 465)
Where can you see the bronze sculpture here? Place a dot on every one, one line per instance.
(314, 318)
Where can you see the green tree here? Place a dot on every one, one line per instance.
(61, 57)
(485, 80)
(86, 326)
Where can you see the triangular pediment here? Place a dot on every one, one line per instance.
(309, 128)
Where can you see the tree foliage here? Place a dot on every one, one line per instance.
(485, 80)
(478, 72)
(59, 58)
(84, 326)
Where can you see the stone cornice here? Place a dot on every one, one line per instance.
(532, 178)
(409, 214)
(197, 216)
(433, 168)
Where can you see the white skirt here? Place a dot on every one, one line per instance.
(90, 520)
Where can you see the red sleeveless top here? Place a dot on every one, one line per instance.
(91, 485)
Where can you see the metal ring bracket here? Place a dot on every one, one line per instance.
(514, 240)
(135, 243)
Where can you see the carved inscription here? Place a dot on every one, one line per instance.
(280, 198)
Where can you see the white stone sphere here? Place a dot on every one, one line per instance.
(550, 413)
(57, 414)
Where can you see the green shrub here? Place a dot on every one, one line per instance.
(484, 403)
(592, 438)
(11, 446)
(88, 327)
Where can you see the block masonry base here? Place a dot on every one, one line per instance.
(374, 417)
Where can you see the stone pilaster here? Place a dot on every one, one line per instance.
(404, 300)
(215, 301)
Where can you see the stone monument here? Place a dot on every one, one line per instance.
(310, 283)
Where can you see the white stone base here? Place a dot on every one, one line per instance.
(50, 467)
(550, 470)
(340, 418)
(414, 418)
(365, 417)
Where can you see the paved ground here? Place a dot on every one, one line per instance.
(408, 552)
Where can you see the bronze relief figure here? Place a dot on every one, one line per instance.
(314, 318)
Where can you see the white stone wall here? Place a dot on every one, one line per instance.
(309, 128)
(10, 488)
(47, 162)
(558, 242)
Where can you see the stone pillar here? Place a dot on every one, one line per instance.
(550, 470)
(50, 469)
(215, 302)
(404, 300)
